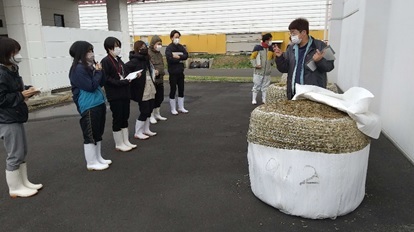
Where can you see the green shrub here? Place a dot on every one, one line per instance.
(223, 61)
(231, 61)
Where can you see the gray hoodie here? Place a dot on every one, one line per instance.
(156, 59)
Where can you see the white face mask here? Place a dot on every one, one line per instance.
(117, 51)
(269, 43)
(295, 39)
(16, 59)
(176, 40)
(158, 47)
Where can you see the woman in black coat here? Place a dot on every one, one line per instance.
(13, 114)
(117, 91)
(142, 88)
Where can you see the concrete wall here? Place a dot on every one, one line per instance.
(69, 10)
(58, 61)
(45, 48)
(3, 30)
(370, 38)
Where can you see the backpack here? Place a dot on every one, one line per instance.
(193, 64)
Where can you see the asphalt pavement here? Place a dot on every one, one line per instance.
(192, 176)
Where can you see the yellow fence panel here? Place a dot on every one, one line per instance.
(216, 43)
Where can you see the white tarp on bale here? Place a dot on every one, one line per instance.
(354, 101)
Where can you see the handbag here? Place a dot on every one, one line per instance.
(149, 89)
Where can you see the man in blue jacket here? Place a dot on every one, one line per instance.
(295, 61)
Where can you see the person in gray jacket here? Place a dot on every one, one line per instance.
(156, 59)
(304, 49)
(262, 59)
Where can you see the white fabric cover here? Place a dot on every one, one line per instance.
(355, 102)
(308, 184)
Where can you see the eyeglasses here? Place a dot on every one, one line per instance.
(294, 32)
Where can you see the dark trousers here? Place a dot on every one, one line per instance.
(176, 80)
(120, 114)
(159, 96)
(145, 109)
(92, 124)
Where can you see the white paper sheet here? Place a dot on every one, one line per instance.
(133, 75)
(177, 53)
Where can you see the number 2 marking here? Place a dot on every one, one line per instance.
(315, 177)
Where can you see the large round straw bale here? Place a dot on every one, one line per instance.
(307, 159)
(305, 125)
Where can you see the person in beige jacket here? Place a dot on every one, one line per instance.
(158, 62)
(262, 59)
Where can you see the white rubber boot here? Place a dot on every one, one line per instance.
(99, 154)
(119, 142)
(92, 162)
(16, 186)
(264, 97)
(173, 107)
(181, 108)
(254, 96)
(153, 120)
(25, 180)
(139, 130)
(157, 114)
(147, 130)
(125, 135)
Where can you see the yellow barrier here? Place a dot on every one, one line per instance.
(216, 43)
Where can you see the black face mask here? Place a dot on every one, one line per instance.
(143, 51)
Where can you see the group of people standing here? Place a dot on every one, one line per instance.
(302, 50)
(145, 87)
(88, 78)
(92, 85)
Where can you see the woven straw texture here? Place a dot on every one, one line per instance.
(305, 125)
(277, 91)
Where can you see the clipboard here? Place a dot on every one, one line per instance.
(177, 53)
(329, 53)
